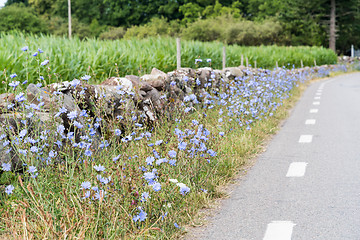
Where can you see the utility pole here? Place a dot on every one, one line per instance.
(69, 13)
(332, 38)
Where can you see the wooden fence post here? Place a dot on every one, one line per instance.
(277, 65)
(178, 53)
(315, 62)
(242, 60)
(247, 62)
(301, 63)
(224, 58)
(255, 64)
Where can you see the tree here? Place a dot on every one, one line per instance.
(191, 12)
(170, 10)
(10, 2)
(19, 17)
(218, 9)
(301, 20)
(42, 6)
(347, 25)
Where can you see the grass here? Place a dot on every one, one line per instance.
(52, 204)
(74, 58)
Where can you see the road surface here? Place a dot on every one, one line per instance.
(306, 185)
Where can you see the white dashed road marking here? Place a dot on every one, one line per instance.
(279, 230)
(296, 169)
(314, 110)
(317, 98)
(305, 139)
(316, 103)
(310, 121)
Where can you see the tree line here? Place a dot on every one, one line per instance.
(328, 23)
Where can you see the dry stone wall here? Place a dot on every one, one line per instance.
(151, 96)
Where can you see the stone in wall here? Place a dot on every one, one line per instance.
(231, 73)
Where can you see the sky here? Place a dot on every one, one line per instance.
(2, 3)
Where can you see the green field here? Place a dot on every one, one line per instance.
(71, 59)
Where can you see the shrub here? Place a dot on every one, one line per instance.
(95, 28)
(113, 33)
(232, 30)
(203, 30)
(252, 33)
(59, 27)
(156, 27)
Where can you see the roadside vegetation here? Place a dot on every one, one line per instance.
(143, 182)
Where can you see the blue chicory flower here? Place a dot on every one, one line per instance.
(149, 176)
(6, 167)
(161, 160)
(83, 113)
(117, 132)
(156, 186)
(75, 82)
(85, 78)
(34, 149)
(87, 195)
(211, 152)
(9, 189)
(32, 169)
(183, 188)
(150, 160)
(99, 168)
(182, 145)
(145, 196)
(44, 63)
(23, 133)
(85, 185)
(72, 115)
(172, 162)
(20, 97)
(172, 154)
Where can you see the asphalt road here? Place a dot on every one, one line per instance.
(306, 185)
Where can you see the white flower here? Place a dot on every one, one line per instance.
(173, 180)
